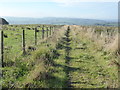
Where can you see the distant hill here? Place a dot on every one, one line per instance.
(59, 21)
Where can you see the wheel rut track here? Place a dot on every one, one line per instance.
(67, 48)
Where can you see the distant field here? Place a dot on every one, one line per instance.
(71, 57)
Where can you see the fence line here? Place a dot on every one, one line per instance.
(50, 30)
(1, 48)
(35, 36)
(47, 31)
(43, 32)
(23, 41)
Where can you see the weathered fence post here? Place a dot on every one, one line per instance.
(43, 32)
(53, 30)
(35, 36)
(1, 48)
(23, 42)
(50, 30)
(47, 31)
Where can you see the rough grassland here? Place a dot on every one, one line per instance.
(67, 59)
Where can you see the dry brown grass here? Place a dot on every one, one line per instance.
(106, 40)
(57, 35)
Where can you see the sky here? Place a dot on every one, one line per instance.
(91, 9)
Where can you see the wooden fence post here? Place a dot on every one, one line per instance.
(35, 36)
(47, 31)
(53, 30)
(50, 30)
(23, 42)
(43, 32)
(1, 48)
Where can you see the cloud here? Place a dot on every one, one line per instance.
(76, 2)
(24, 0)
(60, 1)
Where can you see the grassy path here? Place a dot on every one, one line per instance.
(79, 64)
(60, 69)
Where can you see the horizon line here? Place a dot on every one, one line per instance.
(57, 17)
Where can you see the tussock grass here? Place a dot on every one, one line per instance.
(91, 64)
(84, 57)
(30, 70)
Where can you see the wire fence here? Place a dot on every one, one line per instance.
(18, 40)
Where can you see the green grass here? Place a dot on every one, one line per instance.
(18, 66)
(93, 66)
(61, 61)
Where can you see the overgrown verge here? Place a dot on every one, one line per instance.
(95, 64)
(33, 69)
